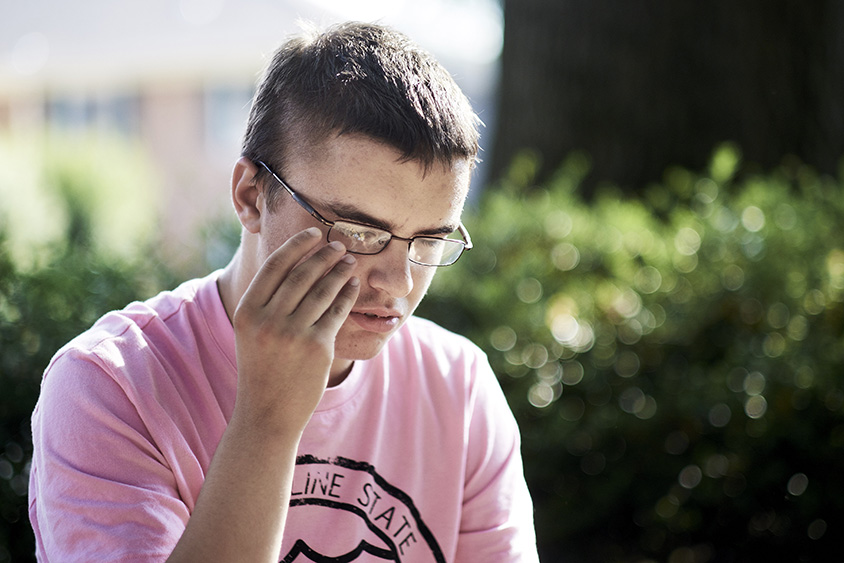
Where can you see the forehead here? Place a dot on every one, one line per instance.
(355, 175)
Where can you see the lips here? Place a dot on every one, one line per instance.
(376, 320)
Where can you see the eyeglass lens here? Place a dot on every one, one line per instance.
(360, 239)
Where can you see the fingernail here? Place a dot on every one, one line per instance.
(348, 259)
(312, 232)
(354, 282)
(337, 245)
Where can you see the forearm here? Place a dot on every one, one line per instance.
(241, 510)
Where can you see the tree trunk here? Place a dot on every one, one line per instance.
(644, 85)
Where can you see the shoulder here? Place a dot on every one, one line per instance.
(429, 333)
(432, 356)
(427, 338)
(140, 332)
(148, 366)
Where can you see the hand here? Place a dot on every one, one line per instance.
(285, 326)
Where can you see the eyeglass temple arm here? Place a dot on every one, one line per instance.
(306, 206)
(465, 234)
(296, 197)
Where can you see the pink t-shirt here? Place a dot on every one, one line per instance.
(414, 457)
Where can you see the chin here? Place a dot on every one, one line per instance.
(356, 352)
(359, 345)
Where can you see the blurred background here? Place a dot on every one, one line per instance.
(169, 82)
(659, 268)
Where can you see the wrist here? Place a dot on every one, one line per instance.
(268, 426)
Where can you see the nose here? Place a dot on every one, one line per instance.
(390, 270)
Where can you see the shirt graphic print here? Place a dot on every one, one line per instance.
(357, 516)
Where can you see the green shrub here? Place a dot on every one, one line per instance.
(40, 310)
(674, 361)
(70, 223)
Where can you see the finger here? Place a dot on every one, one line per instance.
(278, 265)
(339, 310)
(324, 292)
(306, 277)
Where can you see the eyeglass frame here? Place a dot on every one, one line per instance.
(466, 242)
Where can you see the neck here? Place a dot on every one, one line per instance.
(340, 370)
(231, 285)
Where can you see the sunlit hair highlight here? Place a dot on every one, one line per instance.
(359, 78)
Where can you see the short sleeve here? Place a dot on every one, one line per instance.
(100, 490)
(497, 519)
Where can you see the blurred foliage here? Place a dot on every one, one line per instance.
(40, 311)
(53, 286)
(674, 360)
(56, 187)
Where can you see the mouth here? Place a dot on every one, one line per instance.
(380, 321)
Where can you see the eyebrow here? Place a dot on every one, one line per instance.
(347, 212)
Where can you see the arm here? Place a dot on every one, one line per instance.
(285, 326)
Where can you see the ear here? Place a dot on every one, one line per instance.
(247, 196)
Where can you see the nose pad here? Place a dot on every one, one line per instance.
(390, 271)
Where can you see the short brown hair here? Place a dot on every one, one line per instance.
(362, 79)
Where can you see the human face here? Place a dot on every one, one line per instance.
(358, 179)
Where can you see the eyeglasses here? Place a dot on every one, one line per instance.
(366, 239)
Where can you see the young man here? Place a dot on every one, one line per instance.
(289, 407)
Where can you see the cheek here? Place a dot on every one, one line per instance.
(273, 231)
(422, 278)
(279, 226)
